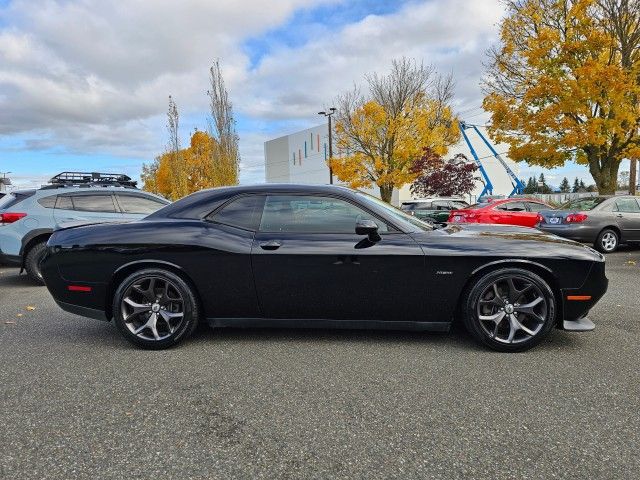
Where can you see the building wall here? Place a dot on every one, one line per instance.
(301, 158)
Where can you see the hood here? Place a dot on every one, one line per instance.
(477, 239)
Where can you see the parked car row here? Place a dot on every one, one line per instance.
(29, 217)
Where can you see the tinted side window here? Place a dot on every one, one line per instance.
(312, 214)
(243, 212)
(136, 204)
(48, 202)
(627, 205)
(512, 207)
(94, 203)
(64, 203)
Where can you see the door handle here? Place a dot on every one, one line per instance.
(270, 245)
(619, 215)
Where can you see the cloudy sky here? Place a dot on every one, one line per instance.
(84, 83)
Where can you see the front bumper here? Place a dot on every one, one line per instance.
(576, 302)
(580, 325)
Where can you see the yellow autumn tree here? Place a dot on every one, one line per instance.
(197, 168)
(565, 84)
(381, 137)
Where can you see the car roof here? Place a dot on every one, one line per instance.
(194, 205)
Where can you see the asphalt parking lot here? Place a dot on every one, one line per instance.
(78, 402)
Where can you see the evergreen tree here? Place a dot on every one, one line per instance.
(565, 187)
(576, 186)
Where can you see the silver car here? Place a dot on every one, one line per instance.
(605, 222)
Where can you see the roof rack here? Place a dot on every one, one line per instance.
(91, 179)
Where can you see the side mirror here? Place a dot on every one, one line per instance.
(368, 227)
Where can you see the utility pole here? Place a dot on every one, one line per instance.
(332, 110)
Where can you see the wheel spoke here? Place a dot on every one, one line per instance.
(136, 307)
(528, 309)
(496, 318)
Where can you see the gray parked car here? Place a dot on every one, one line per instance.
(29, 217)
(606, 222)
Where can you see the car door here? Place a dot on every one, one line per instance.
(628, 218)
(309, 263)
(86, 207)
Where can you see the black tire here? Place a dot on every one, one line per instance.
(131, 285)
(479, 297)
(608, 241)
(32, 262)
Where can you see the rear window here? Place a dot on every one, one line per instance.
(10, 199)
(583, 203)
(457, 205)
(407, 207)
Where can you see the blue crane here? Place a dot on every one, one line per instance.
(518, 186)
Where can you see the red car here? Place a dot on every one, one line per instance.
(510, 211)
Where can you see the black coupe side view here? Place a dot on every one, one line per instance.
(311, 255)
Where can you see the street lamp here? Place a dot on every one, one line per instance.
(332, 110)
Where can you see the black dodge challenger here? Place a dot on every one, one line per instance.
(319, 256)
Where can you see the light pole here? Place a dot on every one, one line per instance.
(332, 110)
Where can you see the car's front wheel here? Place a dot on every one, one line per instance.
(509, 310)
(155, 309)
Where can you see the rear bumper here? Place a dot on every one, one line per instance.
(83, 311)
(577, 232)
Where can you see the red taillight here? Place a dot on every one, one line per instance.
(539, 219)
(11, 217)
(576, 218)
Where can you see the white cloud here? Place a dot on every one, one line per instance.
(93, 76)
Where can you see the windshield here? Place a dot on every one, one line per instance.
(583, 203)
(396, 213)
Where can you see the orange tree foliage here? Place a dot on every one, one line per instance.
(565, 84)
(197, 165)
(381, 138)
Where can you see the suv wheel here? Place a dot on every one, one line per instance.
(32, 262)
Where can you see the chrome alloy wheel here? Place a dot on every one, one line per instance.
(609, 241)
(512, 310)
(152, 308)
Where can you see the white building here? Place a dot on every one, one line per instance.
(301, 158)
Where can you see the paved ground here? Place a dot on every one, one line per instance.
(78, 402)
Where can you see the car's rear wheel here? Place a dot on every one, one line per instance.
(509, 310)
(32, 262)
(155, 309)
(608, 241)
